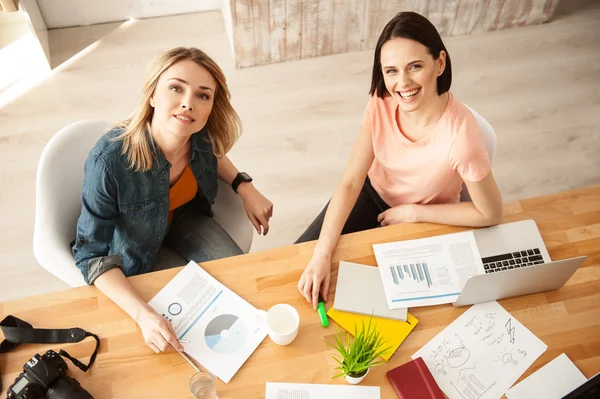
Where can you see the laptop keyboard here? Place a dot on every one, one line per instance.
(593, 393)
(513, 260)
(589, 390)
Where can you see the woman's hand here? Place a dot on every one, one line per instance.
(157, 331)
(398, 214)
(315, 278)
(258, 208)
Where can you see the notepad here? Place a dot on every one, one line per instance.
(354, 278)
(553, 381)
(414, 380)
(394, 332)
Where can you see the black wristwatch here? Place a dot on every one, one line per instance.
(241, 177)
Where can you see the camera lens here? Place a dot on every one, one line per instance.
(67, 388)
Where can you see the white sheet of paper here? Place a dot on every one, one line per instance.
(553, 381)
(282, 390)
(427, 271)
(223, 329)
(481, 354)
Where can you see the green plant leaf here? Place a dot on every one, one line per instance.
(360, 353)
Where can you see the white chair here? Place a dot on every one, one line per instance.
(58, 200)
(489, 139)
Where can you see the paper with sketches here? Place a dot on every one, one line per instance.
(481, 354)
(427, 271)
(222, 329)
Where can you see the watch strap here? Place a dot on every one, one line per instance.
(241, 177)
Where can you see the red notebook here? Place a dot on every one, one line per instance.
(413, 380)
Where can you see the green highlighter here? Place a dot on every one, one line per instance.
(322, 312)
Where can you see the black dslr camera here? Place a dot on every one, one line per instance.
(45, 377)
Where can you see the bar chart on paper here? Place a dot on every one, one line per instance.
(427, 271)
(415, 272)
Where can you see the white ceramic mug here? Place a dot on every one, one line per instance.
(282, 323)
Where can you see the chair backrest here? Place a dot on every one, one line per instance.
(58, 196)
(230, 213)
(489, 139)
(58, 200)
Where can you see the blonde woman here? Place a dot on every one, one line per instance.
(150, 182)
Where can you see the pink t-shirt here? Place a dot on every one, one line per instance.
(430, 170)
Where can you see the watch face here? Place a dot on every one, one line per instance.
(245, 176)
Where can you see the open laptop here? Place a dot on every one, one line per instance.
(589, 390)
(516, 262)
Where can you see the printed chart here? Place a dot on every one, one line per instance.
(418, 273)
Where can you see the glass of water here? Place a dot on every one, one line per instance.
(203, 386)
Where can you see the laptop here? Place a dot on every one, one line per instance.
(359, 290)
(516, 262)
(589, 390)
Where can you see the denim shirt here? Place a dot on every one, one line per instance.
(124, 213)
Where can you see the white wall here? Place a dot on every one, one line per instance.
(23, 51)
(64, 13)
(13, 26)
(227, 18)
(30, 7)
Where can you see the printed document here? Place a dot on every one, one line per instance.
(427, 271)
(280, 390)
(222, 329)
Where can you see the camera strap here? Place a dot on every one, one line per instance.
(17, 331)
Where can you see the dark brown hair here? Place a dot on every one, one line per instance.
(410, 25)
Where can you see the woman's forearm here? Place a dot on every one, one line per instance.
(458, 214)
(226, 169)
(117, 288)
(345, 195)
(340, 206)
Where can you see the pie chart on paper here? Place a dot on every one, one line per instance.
(226, 334)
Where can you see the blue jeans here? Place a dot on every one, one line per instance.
(194, 235)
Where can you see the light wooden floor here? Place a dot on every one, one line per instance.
(538, 86)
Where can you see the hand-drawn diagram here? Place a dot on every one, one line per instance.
(481, 354)
(506, 357)
(439, 369)
(510, 331)
(450, 355)
(458, 357)
(468, 385)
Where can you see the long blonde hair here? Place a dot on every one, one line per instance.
(224, 125)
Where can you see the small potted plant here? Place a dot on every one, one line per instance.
(359, 355)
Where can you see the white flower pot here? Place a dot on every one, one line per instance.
(357, 380)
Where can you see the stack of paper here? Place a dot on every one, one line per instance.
(359, 290)
(359, 296)
(393, 332)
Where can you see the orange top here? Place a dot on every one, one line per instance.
(430, 170)
(183, 191)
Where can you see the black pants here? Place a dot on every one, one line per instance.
(362, 217)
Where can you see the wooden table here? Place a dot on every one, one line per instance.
(567, 320)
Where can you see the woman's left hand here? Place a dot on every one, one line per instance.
(258, 208)
(398, 214)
